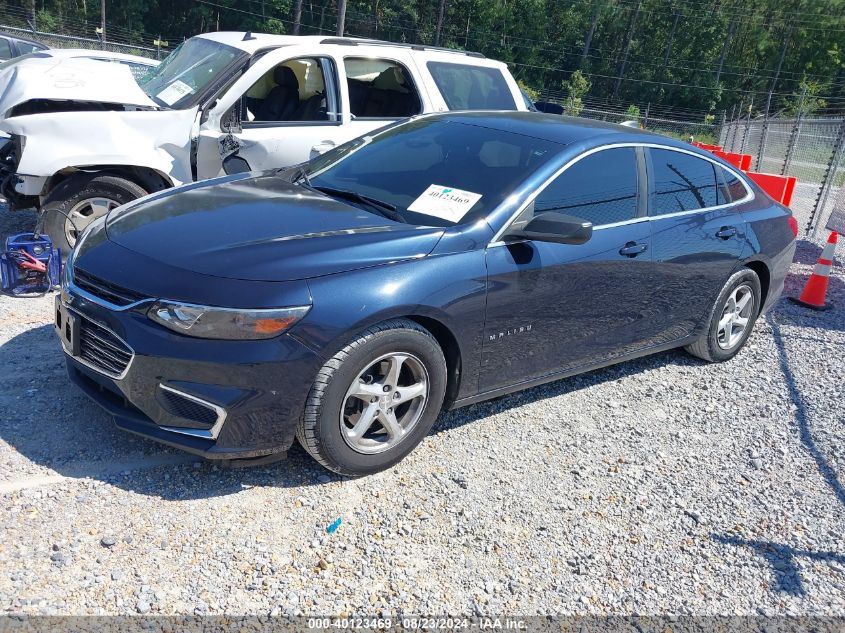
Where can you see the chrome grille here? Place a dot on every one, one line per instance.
(102, 349)
(105, 290)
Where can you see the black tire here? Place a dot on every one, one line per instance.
(708, 347)
(72, 193)
(319, 431)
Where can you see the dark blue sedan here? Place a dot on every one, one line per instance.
(438, 262)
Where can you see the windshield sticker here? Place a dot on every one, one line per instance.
(446, 203)
(174, 92)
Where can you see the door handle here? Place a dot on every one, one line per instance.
(726, 232)
(632, 249)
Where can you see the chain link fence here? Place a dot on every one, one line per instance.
(810, 149)
(56, 40)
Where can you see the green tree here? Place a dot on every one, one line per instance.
(577, 87)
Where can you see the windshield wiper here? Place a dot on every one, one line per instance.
(302, 176)
(384, 209)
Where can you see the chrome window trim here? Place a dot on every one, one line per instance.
(76, 290)
(210, 434)
(749, 193)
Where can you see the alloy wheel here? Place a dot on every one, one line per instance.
(83, 213)
(384, 403)
(736, 315)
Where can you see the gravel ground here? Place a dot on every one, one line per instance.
(662, 485)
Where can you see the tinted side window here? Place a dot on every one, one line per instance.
(681, 182)
(5, 49)
(601, 188)
(380, 89)
(467, 87)
(730, 187)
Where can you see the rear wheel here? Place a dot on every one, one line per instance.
(731, 319)
(80, 200)
(375, 400)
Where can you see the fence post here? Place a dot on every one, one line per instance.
(792, 144)
(722, 129)
(795, 134)
(763, 134)
(747, 128)
(645, 121)
(736, 126)
(827, 180)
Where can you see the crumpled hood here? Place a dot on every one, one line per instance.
(71, 79)
(262, 228)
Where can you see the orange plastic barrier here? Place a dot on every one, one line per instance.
(743, 161)
(709, 148)
(780, 188)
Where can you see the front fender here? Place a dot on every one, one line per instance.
(450, 289)
(159, 140)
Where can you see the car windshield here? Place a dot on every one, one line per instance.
(181, 78)
(434, 172)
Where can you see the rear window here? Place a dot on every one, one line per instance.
(731, 188)
(466, 87)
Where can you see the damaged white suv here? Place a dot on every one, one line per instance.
(86, 137)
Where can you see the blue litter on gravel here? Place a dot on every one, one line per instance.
(333, 527)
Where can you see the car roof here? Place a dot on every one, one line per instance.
(557, 128)
(261, 41)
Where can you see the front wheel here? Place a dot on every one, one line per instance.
(81, 199)
(374, 400)
(731, 319)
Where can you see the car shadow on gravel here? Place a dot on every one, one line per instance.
(783, 560)
(789, 313)
(51, 423)
(808, 253)
(467, 415)
(826, 470)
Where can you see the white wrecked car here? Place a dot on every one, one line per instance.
(86, 137)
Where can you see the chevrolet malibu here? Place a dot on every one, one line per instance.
(435, 263)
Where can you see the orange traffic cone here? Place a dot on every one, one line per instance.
(816, 288)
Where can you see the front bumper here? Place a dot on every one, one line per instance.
(19, 190)
(217, 399)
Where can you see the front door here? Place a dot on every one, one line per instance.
(280, 113)
(553, 307)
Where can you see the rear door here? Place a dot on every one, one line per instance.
(697, 235)
(553, 307)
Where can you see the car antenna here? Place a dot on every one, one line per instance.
(248, 36)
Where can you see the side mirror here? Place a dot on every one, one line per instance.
(552, 226)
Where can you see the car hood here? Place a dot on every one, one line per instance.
(69, 80)
(260, 227)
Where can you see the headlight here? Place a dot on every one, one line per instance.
(224, 323)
